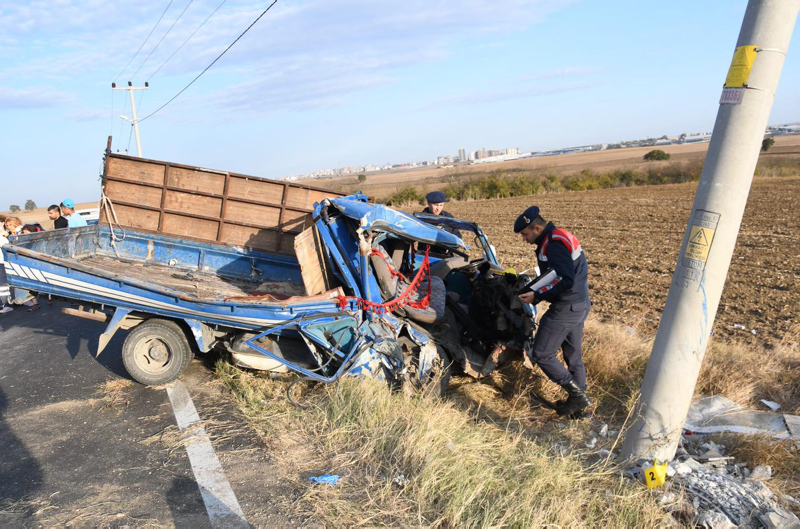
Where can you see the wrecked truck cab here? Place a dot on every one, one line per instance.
(283, 276)
(416, 305)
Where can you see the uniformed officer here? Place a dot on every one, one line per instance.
(436, 200)
(563, 282)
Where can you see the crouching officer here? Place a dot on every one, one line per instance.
(563, 282)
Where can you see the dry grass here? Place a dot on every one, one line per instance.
(113, 393)
(460, 471)
(746, 374)
(483, 457)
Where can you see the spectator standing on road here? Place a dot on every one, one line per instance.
(59, 221)
(19, 296)
(5, 293)
(564, 283)
(68, 210)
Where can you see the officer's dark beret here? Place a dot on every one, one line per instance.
(526, 218)
(435, 197)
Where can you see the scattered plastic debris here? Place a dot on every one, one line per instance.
(737, 326)
(330, 479)
(774, 406)
(760, 473)
(400, 480)
(753, 332)
(604, 431)
(718, 414)
(714, 520)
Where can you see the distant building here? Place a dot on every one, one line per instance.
(695, 138)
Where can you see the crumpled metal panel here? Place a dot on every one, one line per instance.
(381, 218)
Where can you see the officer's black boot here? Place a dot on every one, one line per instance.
(575, 403)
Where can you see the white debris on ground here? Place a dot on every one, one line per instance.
(716, 492)
(705, 487)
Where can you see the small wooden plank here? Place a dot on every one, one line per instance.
(312, 262)
(136, 217)
(191, 204)
(256, 238)
(266, 216)
(196, 180)
(188, 226)
(260, 190)
(145, 196)
(136, 170)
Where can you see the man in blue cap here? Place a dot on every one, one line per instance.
(563, 282)
(68, 210)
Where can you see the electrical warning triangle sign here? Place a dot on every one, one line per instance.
(699, 243)
(699, 237)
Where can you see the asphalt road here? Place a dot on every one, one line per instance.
(81, 444)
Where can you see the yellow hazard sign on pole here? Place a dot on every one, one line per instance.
(699, 243)
(741, 64)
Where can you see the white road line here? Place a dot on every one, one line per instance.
(221, 503)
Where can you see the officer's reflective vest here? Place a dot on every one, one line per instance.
(569, 240)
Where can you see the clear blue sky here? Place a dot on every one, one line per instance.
(327, 83)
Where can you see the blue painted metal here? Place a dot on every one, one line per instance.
(48, 263)
(197, 333)
(302, 327)
(345, 267)
(381, 218)
(113, 324)
(462, 225)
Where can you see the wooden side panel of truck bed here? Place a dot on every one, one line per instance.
(206, 204)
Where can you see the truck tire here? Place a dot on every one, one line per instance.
(156, 352)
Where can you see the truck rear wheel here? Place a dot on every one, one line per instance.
(156, 352)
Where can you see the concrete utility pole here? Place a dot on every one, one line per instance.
(708, 244)
(130, 88)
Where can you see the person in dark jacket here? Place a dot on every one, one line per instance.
(563, 282)
(59, 221)
(436, 200)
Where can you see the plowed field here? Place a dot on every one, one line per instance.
(632, 237)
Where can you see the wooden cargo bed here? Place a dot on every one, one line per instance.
(202, 285)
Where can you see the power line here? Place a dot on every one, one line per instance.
(162, 39)
(185, 41)
(145, 41)
(212, 62)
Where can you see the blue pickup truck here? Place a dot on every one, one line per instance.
(369, 291)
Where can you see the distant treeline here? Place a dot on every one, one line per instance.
(502, 183)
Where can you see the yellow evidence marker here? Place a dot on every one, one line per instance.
(656, 475)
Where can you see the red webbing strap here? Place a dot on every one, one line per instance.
(399, 301)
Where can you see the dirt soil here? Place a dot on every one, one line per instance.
(632, 237)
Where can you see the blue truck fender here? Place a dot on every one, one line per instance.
(123, 318)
